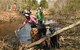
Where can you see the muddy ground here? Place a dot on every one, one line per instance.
(72, 36)
(7, 32)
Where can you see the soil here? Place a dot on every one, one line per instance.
(7, 35)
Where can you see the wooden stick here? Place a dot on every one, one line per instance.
(37, 42)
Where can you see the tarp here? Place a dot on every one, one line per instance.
(49, 21)
(24, 34)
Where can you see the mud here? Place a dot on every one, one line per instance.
(7, 35)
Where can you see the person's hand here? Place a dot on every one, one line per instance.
(47, 27)
(17, 30)
(37, 21)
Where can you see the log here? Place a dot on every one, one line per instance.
(57, 32)
(37, 42)
(66, 28)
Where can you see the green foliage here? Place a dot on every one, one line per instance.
(23, 4)
(34, 4)
(19, 7)
(44, 4)
(29, 3)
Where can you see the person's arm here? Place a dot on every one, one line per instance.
(34, 18)
(23, 25)
(20, 27)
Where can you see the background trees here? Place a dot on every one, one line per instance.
(7, 5)
(44, 4)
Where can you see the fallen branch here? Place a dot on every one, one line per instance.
(66, 28)
(37, 42)
(57, 32)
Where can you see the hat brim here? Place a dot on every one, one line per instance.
(26, 14)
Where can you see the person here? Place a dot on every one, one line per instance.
(55, 39)
(31, 19)
(26, 11)
(40, 16)
(24, 30)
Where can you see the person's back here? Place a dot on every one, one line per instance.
(40, 16)
(32, 21)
